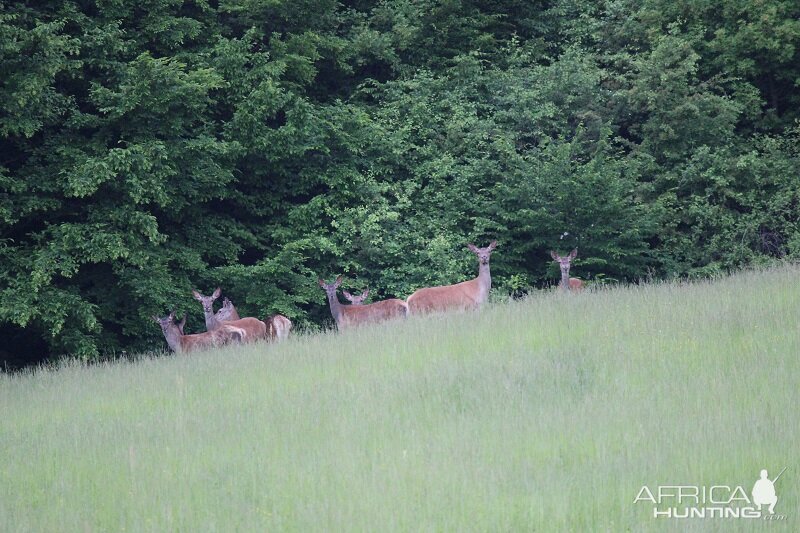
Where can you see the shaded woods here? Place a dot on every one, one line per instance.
(147, 148)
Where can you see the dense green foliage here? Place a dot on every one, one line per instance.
(148, 148)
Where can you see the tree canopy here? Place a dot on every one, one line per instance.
(148, 148)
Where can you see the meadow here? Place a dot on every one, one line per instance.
(545, 414)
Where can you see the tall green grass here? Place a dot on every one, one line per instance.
(547, 414)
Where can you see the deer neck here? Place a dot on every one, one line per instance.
(173, 337)
(565, 281)
(212, 322)
(484, 280)
(336, 307)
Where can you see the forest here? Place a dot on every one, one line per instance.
(151, 148)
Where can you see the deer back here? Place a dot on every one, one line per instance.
(353, 315)
(575, 284)
(212, 339)
(254, 328)
(465, 295)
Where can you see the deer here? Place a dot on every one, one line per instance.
(180, 343)
(347, 316)
(356, 300)
(567, 283)
(470, 294)
(227, 311)
(278, 327)
(255, 328)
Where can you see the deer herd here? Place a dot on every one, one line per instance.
(225, 326)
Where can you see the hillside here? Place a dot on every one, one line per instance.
(545, 414)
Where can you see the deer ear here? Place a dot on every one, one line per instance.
(197, 295)
(338, 281)
(182, 323)
(154, 317)
(573, 254)
(554, 255)
(472, 248)
(321, 282)
(492, 245)
(171, 316)
(348, 295)
(216, 294)
(365, 294)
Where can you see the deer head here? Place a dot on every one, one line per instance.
(356, 300)
(207, 301)
(330, 288)
(168, 325)
(564, 262)
(483, 253)
(165, 321)
(227, 311)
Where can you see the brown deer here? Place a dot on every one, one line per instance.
(567, 283)
(278, 327)
(465, 295)
(254, 328)
(356, 300)
(354, 315)
(181, 343)
(227, 311)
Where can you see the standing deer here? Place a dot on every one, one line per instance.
(181, 343)
(354, 315)
(567, 283)
(254, 328)
(226, 312)
(465, 295)
(278, 327)
(356, 300)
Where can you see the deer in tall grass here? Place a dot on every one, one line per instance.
(465, 295)
(567, 283)
(181, 343)
(356, 300)
(278, 327)
(347, 316)
(255, 328)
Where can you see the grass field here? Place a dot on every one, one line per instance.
(541, 415)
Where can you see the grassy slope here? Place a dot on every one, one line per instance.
(547, 414)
